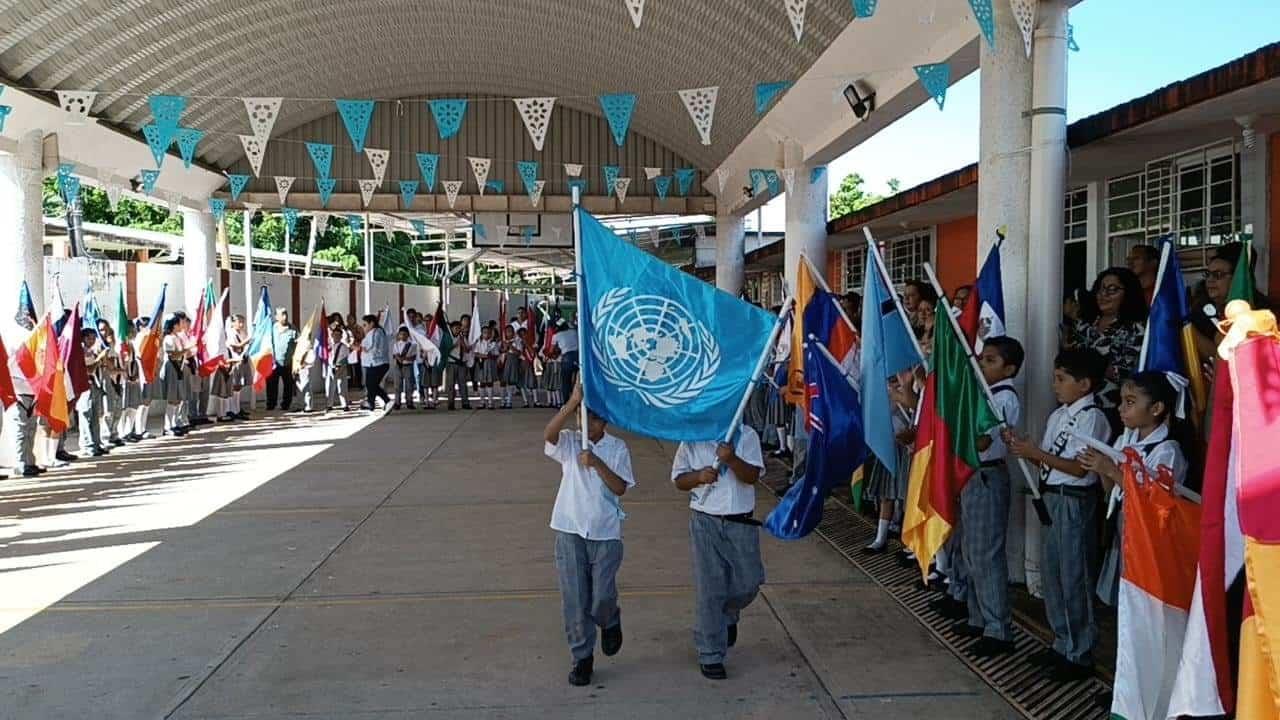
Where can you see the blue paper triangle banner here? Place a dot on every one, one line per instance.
(986, 17)
(1072, 45)
(356, 223)
(864, 8)
(684, 179)
(322, 157)
(68, 184)
(757, 181)
(4, 115)
(218, 207)
(428, 163)
(325, 187)
(167, 113)
(237, 185)
(816, 174)
(617, 110)
(481, 233)
(408, 190)
(662, 185)
(579, 183)
(448, 115)
(773, 181)
(497, 186)
(419, 227)
(935, 78)
(149, 178)
(526, 236)
(188, 139)
(528, 173)
(766, 93)
(158, 141)
(356, 115)
(290, 219)
(611, 173)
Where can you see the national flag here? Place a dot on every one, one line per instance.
(41, 364)
(888, 348)
(202, 322)
(1159, 548)
(71, 352)
(7, 393)
(438, 333)
(1256, 365)
(824, 320)
(1242, 285)
(1205, 683)
(983, 314)
(666, 355)
(150, 339)
(1169, 344)
(954, 414)
(832, 328)
(430, 351)
(548, 335)
(212, 347)
(530, 351)
(836, 445)
(123, 325)
(26, 307)
(502, 314)
(473, 331)
(305, 343)
(92, 312)
(262, 342)
(322, 339)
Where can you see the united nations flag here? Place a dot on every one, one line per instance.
(666, 355)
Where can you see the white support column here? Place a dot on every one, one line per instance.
(368, 266)
(806, 207)
(311, 245)
(21, 217)
(198, 235)
(1254, 172)
(249, 309)
(731, 245)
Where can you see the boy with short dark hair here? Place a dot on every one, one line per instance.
(1069, 548)
(984, 509)
(455, 369)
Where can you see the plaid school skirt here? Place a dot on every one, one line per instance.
(551, 375)
(486, 371)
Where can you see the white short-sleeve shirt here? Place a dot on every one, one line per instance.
(727, 495)
(1082, 417)
(585, 506)
(1157, 449)
(566, 340)
(1009, 407)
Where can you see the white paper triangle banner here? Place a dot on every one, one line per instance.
(636, 8)
(378, 161)
(701, 104)
(480, 167)
(367, 188)
(536, 113)
(700, 232)
(535, 195)
(321, 220)
(283, 184)
(722, 176)
(652, 172)
(251, 207)
(451, 188)
(77, 104)
(620, 187)
(253, 149)
(788, 177)
(655, 236)
(573, 169)
(795, 12)
(262, 115)
(114, 189)
(1024, 12)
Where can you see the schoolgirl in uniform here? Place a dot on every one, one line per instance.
(221, 391)
(112, 388)
(173, 386)
(551, 377)
(335, 378)
(131, 397)
(510, 364)
(147, 391)
(487, 368)
(239, 369)
(528, 368)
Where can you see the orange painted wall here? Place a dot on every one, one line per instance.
(957, 249)
(1273, 212)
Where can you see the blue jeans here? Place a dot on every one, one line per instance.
(568, 374)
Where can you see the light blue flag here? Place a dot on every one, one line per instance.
(887, 349)
(665, 354)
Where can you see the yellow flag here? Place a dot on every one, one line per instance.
(805, 286)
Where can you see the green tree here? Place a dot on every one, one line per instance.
(851, 196)
(894, 185)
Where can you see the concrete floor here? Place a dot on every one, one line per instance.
(344, 567)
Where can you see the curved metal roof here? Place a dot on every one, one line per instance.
(216, 51)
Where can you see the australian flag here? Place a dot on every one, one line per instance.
(836, 446)
(664, 354)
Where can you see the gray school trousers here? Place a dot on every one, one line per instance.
(89, 409)
(984, 526)
(1068, 556)
(21, 422)
(587, 571)
(727, 575)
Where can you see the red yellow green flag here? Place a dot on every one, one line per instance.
(954, 414)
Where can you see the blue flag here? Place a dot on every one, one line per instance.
(887, 349)
(665, 354)
(92, 312)
(836, 447)
(1169, 345)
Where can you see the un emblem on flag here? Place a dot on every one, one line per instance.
(654, 347)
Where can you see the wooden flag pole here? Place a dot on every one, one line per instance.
(1029, 474)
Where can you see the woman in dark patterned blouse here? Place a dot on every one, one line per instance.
(1113, 325)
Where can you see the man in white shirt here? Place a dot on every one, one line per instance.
(566, 342)
(20, 418)
(727, 571)
(587, 520)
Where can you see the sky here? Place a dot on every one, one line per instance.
(1128, 48)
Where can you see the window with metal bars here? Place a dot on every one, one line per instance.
(904, 258)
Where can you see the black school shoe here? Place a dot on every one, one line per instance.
(949, 608)
(580, 673)
(715, 671)
(611, 640)
(1067, 671)
(964, 629)
(733, 634)
(991, 647)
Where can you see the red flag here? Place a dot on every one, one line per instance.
(7, 395)
(71, 350)
(42, 366)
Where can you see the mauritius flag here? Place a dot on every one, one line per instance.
(955, 412)
(262, 343)
(1169, 344)
(983, 314)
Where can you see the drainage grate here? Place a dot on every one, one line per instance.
(1010, 675)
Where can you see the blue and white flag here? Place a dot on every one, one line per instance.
(836, 446)
(665, 354)
(887, 349)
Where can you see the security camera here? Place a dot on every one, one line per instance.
(861, 106)
(747, 192)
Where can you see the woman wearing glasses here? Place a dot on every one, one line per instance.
(1113, 325)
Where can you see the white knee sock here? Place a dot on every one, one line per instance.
(882, 534)
(170, 417)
